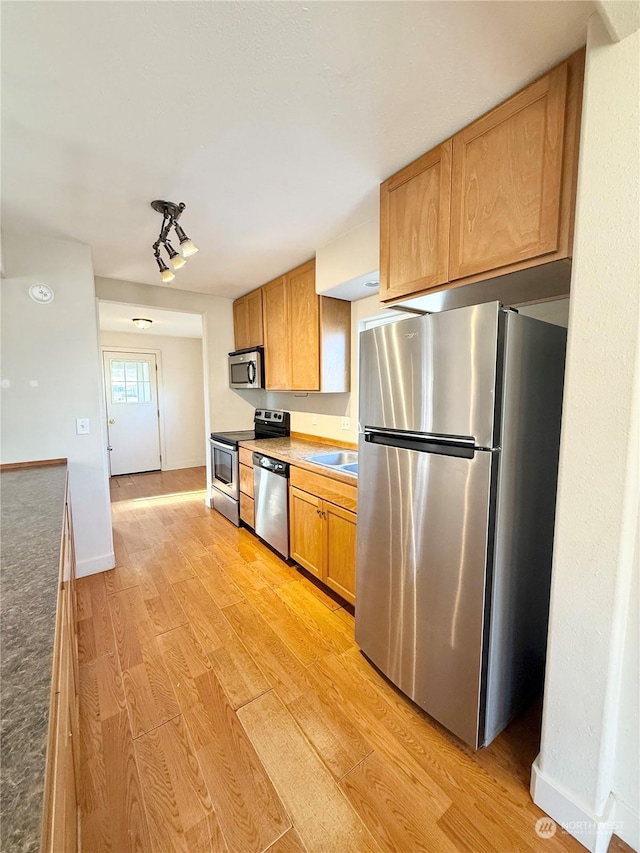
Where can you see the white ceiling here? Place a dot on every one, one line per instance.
(117, 317)
(274, 121)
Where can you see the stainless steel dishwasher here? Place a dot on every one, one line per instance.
(271, 495)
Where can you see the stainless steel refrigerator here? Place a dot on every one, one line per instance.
(459, 420)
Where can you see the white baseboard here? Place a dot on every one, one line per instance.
(95, 565)
(627, 824)
(184, 463)
(592, 831)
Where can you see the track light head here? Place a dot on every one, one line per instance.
(177, 261)
(187, 246)
(165, 273)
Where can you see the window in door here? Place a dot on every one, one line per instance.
(130, 381)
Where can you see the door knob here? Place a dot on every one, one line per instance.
(112, 420)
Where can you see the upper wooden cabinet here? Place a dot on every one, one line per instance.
(496, 198)
(507, 175)
(414, 225)
(277, 350)
(304, 319)
(307, 337)
(247, 320)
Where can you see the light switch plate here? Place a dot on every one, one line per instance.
(346, 423)
(314, 420)
(82, 426)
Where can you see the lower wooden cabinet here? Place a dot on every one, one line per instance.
(61, 810)
(340, 557)
(247, 510)
(247, 506)
(306, 528)
(323, 541)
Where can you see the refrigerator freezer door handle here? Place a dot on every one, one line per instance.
(453, 445)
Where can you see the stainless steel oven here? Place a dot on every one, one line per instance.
(246, 368)
(224, 468)
(224, 489)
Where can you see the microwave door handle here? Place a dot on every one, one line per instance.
(251, 373)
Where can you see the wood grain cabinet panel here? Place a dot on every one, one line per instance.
(323, 536)
(340, 550)
(255, 318)
(61, 811)
(248, 326)
(307, 337)
(507, 177)
(277, 352)
(246, 457)
(247, 510)
(241, 323)
(304, 317)
(414, 225)
(307, 531)
(246, 480)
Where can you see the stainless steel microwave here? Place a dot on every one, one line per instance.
(246, 369)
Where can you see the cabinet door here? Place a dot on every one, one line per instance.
(340, 550)
(276, 335)
(306, 530)
(241, 323)
(246, 480)
(414, 225)
(247, 510)
(506, 184)
(254, 318)
(304, 328)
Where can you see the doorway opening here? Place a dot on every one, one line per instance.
(154, 396)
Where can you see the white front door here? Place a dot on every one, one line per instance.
(130, 382)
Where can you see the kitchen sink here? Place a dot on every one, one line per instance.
(350, 469)
(337, 459)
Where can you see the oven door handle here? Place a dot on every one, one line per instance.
(219, 445)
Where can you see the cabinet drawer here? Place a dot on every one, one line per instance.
(246, 457)
(246, 480)
(247, 510)
(341, 494)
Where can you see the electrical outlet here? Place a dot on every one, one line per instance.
(346, 423)
(82, 426)
(314, 420)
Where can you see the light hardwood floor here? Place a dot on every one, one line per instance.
(224, 706)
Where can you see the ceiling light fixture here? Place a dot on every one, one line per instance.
(170, 214)
(141, 322)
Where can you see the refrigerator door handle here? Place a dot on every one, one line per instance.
(446, 445)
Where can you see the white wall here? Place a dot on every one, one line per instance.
(181, 394)
(50, 372)
(580, 773)
(345, 264)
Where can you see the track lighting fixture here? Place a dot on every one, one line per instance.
(170, 214)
